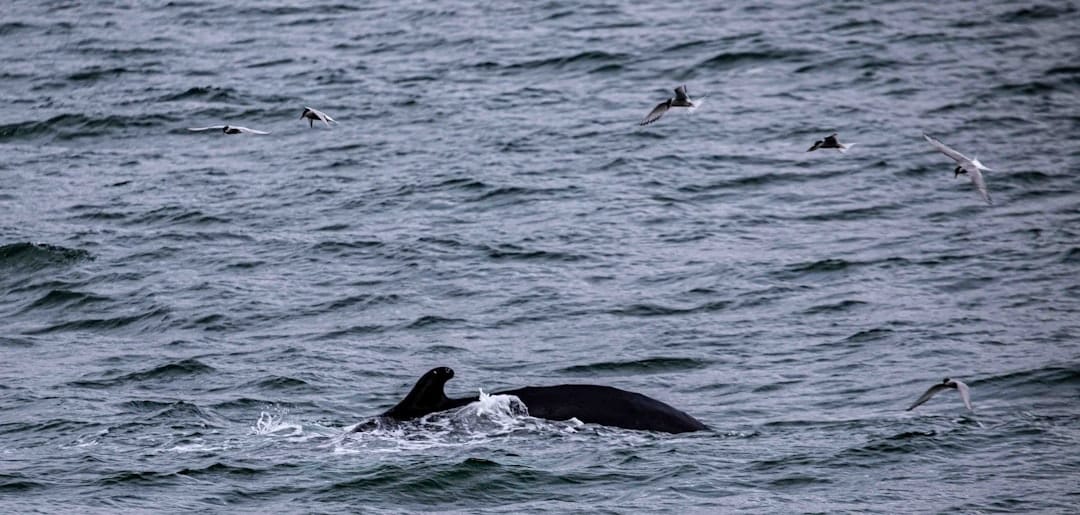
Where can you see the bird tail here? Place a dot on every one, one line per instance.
(844, 147)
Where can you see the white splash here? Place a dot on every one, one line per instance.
(491, 416)
(501, 409)
(270, 424)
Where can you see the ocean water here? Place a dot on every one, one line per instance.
(194, 321)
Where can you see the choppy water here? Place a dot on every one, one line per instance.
(193, 321)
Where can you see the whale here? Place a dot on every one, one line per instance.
(591, 404)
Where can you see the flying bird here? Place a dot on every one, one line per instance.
(945, 385)
(314, 115)
(228, 129)
(966, 166)
(681, 99)
(830, 141)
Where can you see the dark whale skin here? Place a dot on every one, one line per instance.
(591, 404)
(604, 405)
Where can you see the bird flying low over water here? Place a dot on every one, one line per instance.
(314, 115)
(945, 385)
(830, 141)
(681, 99)
(228, 129)
(967, 166)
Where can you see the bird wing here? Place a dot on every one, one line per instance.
(695, 104)
(656, 113)
(252, 131)
(926, 396)
(956, 156)
(200, 129)
(680, 93)
(965, 393)
(979, 165)
(980, 184)
(321, 116)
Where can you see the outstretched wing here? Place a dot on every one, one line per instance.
(680, 94)
(656, 113)
(965, 394)
(954, 155)
(980, 184)
(200, 129)
(696, 104)
(926, 396)
(250, 131)
(325, 118)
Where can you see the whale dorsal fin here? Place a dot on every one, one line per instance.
(427, 396)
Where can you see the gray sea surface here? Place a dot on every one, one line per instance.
(193, 322)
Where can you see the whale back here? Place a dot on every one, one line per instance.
(591, 404)
(605, 405)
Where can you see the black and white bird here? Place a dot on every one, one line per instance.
(946, 384)
(681, 99)
(228, 129)
(966, 166)
(314, 115)
(830, 141)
